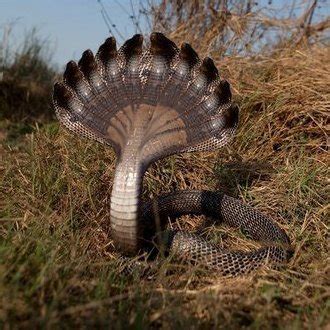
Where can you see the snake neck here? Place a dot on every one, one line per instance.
(125, 195)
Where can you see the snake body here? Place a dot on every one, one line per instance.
(148, 104)
(225, 210)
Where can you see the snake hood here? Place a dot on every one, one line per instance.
(147, 103)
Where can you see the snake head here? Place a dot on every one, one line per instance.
(147, 104)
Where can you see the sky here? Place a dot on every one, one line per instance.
(71, 26)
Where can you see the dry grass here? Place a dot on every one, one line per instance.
(58, 267)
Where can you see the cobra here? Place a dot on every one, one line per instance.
(149, 103)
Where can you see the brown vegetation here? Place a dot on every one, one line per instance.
(58, 265)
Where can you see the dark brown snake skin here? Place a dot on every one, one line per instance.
(148, 104)
(224, 210)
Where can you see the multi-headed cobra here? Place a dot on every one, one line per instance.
(149, 104)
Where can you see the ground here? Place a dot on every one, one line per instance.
(59, 267)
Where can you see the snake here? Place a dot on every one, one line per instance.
(148, 102)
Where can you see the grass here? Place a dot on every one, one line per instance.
(59, 268)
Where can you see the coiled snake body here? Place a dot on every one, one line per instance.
(148, 104)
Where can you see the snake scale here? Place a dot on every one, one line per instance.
(148, 103)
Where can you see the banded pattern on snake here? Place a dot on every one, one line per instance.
(148, 104)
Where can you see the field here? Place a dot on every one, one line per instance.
(58, 266)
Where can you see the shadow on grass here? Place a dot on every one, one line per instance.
(231, 176)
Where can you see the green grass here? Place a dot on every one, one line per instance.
(59, 268)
